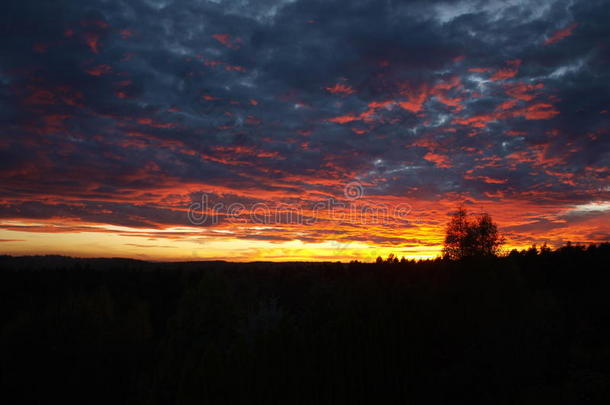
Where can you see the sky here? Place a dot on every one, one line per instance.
(299, 129)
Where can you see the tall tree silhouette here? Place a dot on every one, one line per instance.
(471, 237)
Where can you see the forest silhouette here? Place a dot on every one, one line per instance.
(525, 327)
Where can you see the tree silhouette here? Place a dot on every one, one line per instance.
(471, 237)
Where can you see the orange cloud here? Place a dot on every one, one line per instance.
(479, 70)
(441, 161)
(92, 40)
(506, 73)
(491, 180)
(367, 115)
(152, 123)
(507, 105)
(99, 70)
(561, 34)
(451, 102)
(340, 89)
(522, 91)
(477, 121)
(416, 97)
(538, 111)
(344, 119)
(225, 39)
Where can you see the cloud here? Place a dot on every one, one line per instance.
(561, 34)
(117, 112)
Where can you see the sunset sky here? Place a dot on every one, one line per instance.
(299, 129)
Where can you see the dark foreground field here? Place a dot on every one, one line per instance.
(529, 328)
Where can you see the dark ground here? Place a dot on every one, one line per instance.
(529, 328)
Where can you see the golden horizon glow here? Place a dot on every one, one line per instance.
(175, 244)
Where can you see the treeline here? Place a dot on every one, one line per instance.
(528, 327)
